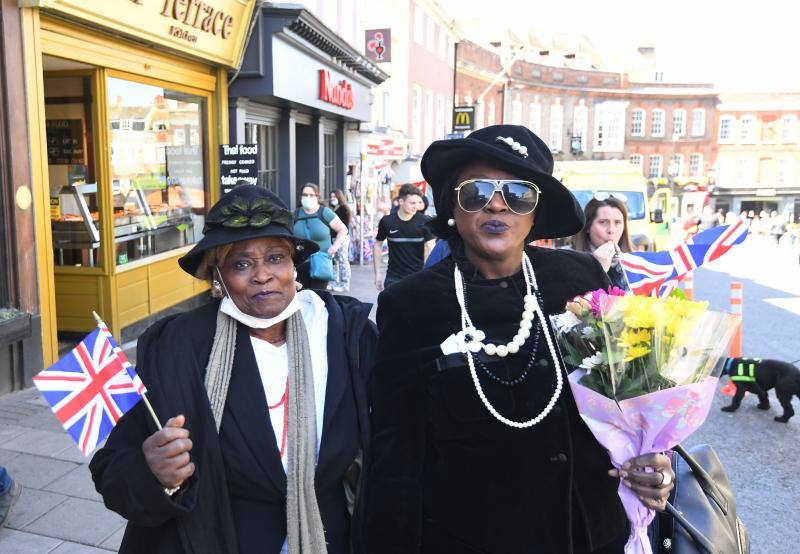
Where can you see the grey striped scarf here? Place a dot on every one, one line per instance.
(304, 522)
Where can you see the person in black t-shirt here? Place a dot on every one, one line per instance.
(410, 241)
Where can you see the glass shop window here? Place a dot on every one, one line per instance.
(158, 168)
(74, 207)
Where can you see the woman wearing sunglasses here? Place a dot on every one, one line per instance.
(477, 445)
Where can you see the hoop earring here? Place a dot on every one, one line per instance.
(216, 289)
(451, 222)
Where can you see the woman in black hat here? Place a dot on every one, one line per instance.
(477, 445)
(265, 391)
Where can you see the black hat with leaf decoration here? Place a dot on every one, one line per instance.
(246, 212)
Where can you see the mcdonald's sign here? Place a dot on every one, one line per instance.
(463, 118)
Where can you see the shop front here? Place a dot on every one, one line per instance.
(300, 95)
(127, 108)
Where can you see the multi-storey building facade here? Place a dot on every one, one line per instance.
(758, 158)
(586, 114)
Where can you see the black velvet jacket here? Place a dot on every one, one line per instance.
(236, 500)
(444, 475)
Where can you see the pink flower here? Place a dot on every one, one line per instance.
(598, 299)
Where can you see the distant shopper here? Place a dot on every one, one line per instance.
(410, 241)
(315, 222)
(708, 219)
(605, 234)
(341, 259)
(9, 492)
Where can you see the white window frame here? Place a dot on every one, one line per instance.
(440, 128)
(677, 159)
(609, 126)
(789, 129)
(448, 116)
(416, 116)
(556, 134)
(451, 51)
(679, 122)
(637, 159)
(641, 124)
(535, 117)
(730, 136)
(747, 130)
(490, 117)
(786, 170)
(419, 25)
(745, 171)
(580, 123)
(695, 165)
(724, 175)
(430, 35)
(480, 114)
(659, 116)
(516, 111)
(659, 159)
(428, 115)
(698, 122)
(442, 45)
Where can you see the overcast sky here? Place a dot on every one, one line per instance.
(737, 46)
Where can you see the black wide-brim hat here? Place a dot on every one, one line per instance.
(515, 149)
(246, 212)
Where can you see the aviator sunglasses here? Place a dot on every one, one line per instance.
(520, 196)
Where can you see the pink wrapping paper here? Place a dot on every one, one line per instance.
(650, 423)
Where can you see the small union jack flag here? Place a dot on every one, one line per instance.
(89, 389)
(137, 381)
(659, 272)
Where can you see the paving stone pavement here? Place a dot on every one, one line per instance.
(59, 512)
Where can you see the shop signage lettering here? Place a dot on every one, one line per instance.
(198, 14)
(339, 94)
(237, 162)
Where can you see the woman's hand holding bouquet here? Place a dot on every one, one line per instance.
(644, 372)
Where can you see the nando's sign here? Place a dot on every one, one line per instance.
(339, 94)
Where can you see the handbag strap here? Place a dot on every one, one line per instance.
(705, 481)
(693, 531)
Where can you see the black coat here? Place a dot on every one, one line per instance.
(236, 500)
(445, 476)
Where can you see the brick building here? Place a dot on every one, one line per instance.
(757, 161)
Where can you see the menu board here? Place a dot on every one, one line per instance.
(64, 141)
(185, 166)
(237, 163)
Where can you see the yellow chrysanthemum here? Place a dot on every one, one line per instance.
(632, 337)
(636, 352)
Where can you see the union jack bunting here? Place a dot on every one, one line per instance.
(137, 381)
(89, 390)
(659, 272)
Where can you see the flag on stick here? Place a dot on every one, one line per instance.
(651, 273)
(89, 390)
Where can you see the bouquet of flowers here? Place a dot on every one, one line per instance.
(643, 373)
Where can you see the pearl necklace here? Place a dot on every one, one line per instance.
(470, 341)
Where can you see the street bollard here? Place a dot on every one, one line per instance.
(736, 309)
(688, 285)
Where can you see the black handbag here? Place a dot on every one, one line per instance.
(701, 511)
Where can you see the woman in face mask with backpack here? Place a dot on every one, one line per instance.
(315, 222)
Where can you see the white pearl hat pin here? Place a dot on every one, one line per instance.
(514, 145)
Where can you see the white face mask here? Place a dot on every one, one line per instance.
(309, 202)
(229, 307)
(334, 202)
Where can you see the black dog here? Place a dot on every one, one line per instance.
(759, 376)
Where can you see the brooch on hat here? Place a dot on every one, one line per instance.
(514, 145)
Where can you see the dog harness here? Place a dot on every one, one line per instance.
(744, 372)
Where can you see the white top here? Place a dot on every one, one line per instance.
(273, 367)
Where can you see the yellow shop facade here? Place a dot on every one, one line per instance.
(127, 106)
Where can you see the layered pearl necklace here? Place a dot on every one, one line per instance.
(470, 341)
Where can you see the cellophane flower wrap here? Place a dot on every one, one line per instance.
(643, 371)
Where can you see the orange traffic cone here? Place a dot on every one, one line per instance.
(729, 389)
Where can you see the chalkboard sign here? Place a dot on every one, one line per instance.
(64, 141)
(237, 162)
